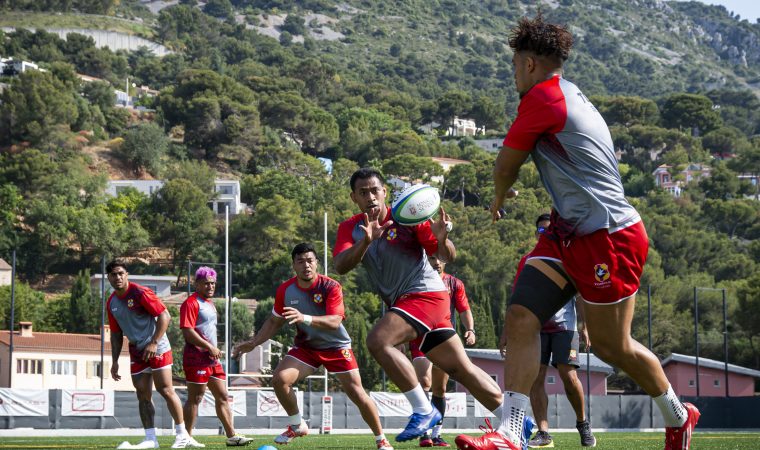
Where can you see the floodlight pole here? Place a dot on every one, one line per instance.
(13, 318)
(102, 319)
(696, 338)
(725, 341)
(325, 268)
(227, 292)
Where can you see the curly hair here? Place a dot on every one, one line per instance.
(541, 38)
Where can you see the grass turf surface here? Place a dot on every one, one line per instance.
(615, 441)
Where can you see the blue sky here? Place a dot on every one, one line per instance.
(747, 9)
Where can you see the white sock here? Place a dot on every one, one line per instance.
(497, 412)
(150, 434)
(437, 431)
(513, 414)
(379, 437)
(295, 419)
(180, 429)
(673, 412)
(419, 401)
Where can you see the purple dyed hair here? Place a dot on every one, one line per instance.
(205, 272)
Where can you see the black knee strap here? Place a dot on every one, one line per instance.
(539, 293)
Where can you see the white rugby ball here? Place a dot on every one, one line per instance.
(415, 204)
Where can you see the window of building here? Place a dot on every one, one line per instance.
(551, 380)
(224, 190)
(63, 367)
(716, 383)
(692, 383)
(31, 366)
(93, 369)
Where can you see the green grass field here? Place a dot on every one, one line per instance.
(617, 441)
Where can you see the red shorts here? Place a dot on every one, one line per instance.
(137, 365)
(414, 349)
(201, 374)
(546, 248)
(335, 361)
(606, 267)
(428, 310)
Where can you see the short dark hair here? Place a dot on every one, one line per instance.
(114, 264)
(541, 38)
(364, 173)
(543, 218)
(300, 249)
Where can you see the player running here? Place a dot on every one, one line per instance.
(136, 312)
(395, 258)
(314, 304)
(197, 319)
(431, 377)
(599, 237)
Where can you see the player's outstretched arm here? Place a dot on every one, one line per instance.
(270, 327)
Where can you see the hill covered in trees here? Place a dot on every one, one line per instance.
(256, 91)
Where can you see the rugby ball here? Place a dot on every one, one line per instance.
(415, 204)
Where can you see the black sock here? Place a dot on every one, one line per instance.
(440, 405)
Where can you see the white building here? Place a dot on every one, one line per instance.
(160, 284)
(60, 361)
(227, 192)
(5, 273)
(11, 67)
(490, 145)
(446, 164)
(463, 127)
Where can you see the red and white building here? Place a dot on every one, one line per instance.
(682, 373)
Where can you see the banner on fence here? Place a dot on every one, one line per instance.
(75, 402)
(24, 402)
(482, 411)
(396, 405)
(236, 399)
(268, 405)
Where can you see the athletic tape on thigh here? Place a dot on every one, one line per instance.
(540, 293)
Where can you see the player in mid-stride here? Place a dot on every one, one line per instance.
(314, 304)
(395, 258)
(598, 236)
(200, 359)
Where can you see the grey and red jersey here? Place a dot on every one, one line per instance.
(199, 314)
(135, 315)
(458, 296)
(574, 154)
(396, 262)
(323, 298)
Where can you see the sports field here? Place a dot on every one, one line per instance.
(615, 441)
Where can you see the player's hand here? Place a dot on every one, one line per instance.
(292, 315)
(441, 227)
(372, 228)
(215, 353)
(470, 338)
(243, 347)
(150, 351)
(497, 212)
(115, 371)
(583, 334)
(503, 343)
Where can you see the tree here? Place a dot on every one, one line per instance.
(627, 111)
(412, 167)
(35, 103)
(294, 25)
(460, 179)
(84, 306)
(100, 94)
(725, 141)
(218, 8)
(453, 103)
(182, 220)
(488, 113)
(144, 147)
(691, 112)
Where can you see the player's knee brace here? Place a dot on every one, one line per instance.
(539, 293)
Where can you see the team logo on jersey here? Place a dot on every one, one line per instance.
(346, 354)
(130, 303)
(391, 234)
(601, 273)
(317, 298)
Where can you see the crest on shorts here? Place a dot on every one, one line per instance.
(130, 303)
(317, 298)
(392, 233)
(601, 272)
(346, 354)
(573, 355)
